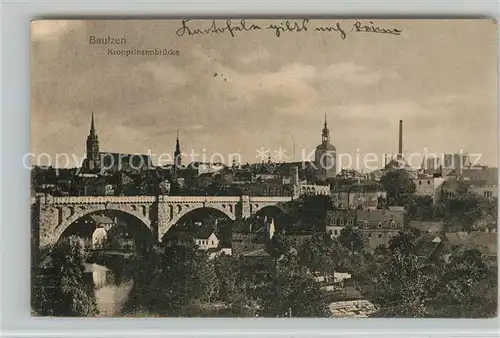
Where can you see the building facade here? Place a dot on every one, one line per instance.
(336, 220)
(379, 226)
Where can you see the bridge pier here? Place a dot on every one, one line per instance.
(245, 211)
(164, 216)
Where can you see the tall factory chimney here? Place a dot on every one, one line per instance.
(400, 149)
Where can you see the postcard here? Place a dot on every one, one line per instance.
(264, 168)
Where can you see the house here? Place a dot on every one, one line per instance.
(431, 227)
(176, 237)
(482, 181)
(337, 219)
(99, 238)
(362, 194)
(311, 189)
(100, 235)
(259, 266)
(426, 185)
(102, 221)
(429, 247)
(206, 240)
(379, 226)
(485, 242)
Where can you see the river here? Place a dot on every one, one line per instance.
(111, 293)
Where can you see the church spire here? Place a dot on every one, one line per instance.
(325, 134)
(92, 128)
(177, 153)
(92, 145)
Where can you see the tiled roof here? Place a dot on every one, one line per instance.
(486, 177)
(482, 176)
(486, 242)
(204, 233)
(426, 244)
(384, 216)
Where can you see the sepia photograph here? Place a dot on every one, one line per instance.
(264, 168)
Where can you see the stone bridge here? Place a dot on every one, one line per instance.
(53, 215)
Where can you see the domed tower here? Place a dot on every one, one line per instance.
(325, 156)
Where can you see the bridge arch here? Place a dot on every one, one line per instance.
(226, 209)
(67, 226)
(259, 208)
(178, 212)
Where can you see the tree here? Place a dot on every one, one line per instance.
(321, 253)
(465, 287)
(462, 275)
(403, 242)
(399, 187)
(313, 211)
(59, 288)
(403, 286)
(173, 278)
(463, 209)
(351, 238)
(279, 245)
(293, 292)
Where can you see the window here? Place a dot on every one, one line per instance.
(379, 224)
(419, 182)
(369, 234)
(366, 225)
(336, 232)
(393, 224)
(341, 222)
(332, 221)
(212, 242)
(428, 182)
(379, 235)
(350, 221)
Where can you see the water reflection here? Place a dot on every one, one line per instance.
(111, 292)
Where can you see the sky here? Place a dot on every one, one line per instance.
(226, 94)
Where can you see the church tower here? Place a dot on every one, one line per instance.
(325, 156)
(325, 133)
(177, 153)
(93, 155)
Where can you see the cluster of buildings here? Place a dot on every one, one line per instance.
(358, 198)
(118, 174)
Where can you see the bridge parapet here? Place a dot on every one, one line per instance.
(270, 199)
(102, 199)
(200, 199)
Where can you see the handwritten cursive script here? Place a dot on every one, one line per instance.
(231, 27)
(228, 27)
(372, 28)
(289, 26)
(334, 28)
